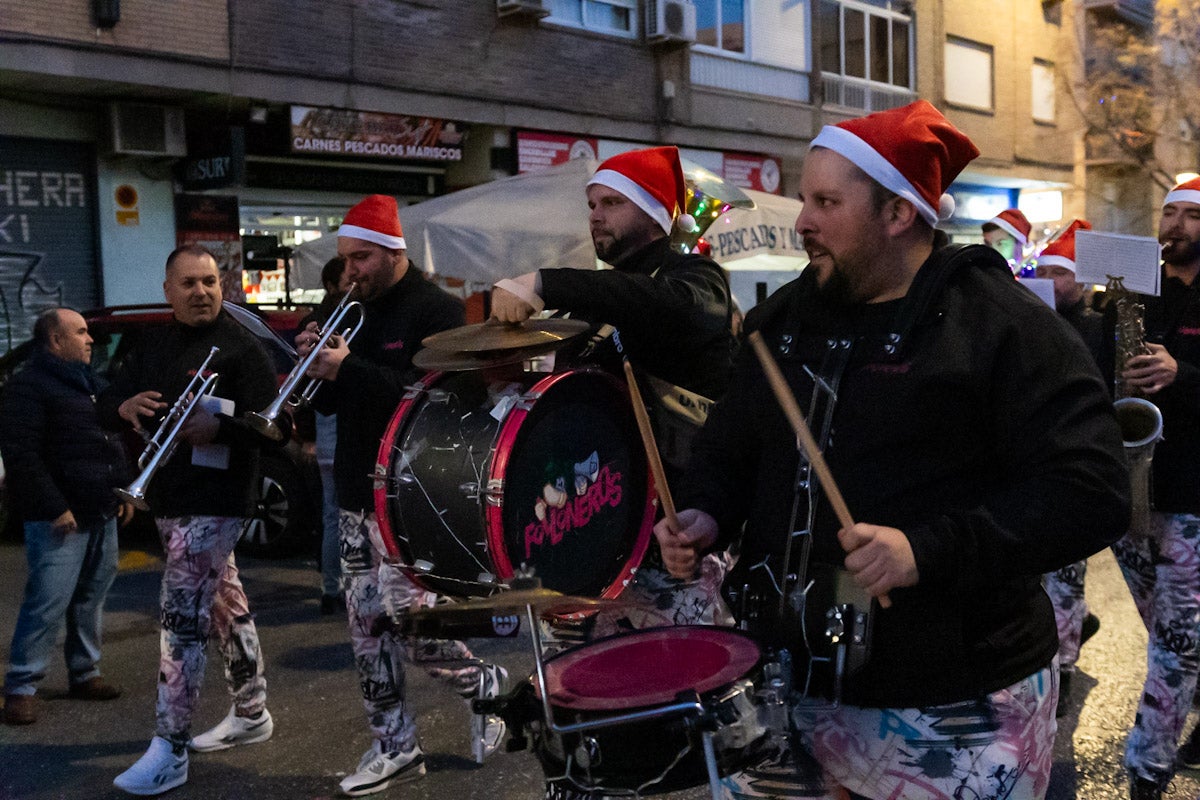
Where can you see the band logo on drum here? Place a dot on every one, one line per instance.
(570, 501)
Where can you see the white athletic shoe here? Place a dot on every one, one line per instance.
(376, 770)
(233, 731)
(159, 770)
(487, 730)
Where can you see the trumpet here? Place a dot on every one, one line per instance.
(161, 446)
(265, 421)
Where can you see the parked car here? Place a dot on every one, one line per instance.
(288, 513)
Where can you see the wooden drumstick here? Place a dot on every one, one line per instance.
(791, 410)
(656, 467)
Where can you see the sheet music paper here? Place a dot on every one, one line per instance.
(1133, 258)
(1042, 287)
(213, 455)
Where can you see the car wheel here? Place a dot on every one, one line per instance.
(282, 514)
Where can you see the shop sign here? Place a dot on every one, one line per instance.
(219, 165)
(761, 173)
(369, 134)
(537, 150)
(212, 222)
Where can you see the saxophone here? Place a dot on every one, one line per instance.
(1140, 420)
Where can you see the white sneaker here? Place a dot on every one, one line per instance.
(159, 770)
(376, 770)
(233, 731)
(487, 730)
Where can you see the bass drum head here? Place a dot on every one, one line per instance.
(577, 507)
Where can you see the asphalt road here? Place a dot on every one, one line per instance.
(76, 748)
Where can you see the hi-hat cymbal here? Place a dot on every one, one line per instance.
(511, 601)
(493, 336)
(430, 358)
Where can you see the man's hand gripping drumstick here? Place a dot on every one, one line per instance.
(878, 558)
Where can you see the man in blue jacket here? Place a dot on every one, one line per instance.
(62, 468)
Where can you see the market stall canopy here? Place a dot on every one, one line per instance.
(518, 224)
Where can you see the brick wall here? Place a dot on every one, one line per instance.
(197, 28)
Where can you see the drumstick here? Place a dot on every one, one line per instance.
(656, 467)
(783, 394)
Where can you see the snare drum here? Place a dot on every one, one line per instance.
(643, 671)
(483, 472)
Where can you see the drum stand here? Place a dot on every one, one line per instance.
(684, 707)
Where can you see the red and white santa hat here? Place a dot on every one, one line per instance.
(1186, 192)
(1061, 251)
(912, 151)
(375, 218)
(1014, 223)
(652, 179)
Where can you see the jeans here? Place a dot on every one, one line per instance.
(331, 551)
(69, 577)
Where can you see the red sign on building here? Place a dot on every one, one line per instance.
(537, 150)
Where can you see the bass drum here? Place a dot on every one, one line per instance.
(482, 473)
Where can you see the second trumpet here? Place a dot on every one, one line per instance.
(290, 391)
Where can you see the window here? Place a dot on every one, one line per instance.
(721, 24)
(866, 53)
(605, 16)
(969, 74)
(1043, 91)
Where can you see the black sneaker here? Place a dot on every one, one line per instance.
(1064, 695)
(1142, 789)
(1188, 756)
(1091, 624)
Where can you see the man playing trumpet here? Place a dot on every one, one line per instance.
(201, 498)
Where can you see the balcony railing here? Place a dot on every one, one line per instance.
(864, 95)
(746, 76)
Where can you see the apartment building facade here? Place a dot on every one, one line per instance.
(126, 127)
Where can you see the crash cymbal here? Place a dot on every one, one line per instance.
(430, 358)
(493, 336)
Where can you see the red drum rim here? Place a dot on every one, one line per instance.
(383, 464)
(505, 443)
(649, 668)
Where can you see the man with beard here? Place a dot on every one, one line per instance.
(201, 500)
(1162, 565)
(364, 380)
(672, 313)
(972, 437)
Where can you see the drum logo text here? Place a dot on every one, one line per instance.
(575, 512)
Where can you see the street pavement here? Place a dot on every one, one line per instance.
(76, 748)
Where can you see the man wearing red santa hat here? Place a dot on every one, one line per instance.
(969, 435)
(672, 313)
(364, 381)
(1008, 234)
(1162, 564)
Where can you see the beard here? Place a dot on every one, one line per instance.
(1178, 253)
(836, 291)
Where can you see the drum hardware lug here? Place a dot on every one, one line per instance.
(587, 752)
(494, 494)
(422, 566)
(835, 624)
(470, 489)
(487, 579)
(440, 396)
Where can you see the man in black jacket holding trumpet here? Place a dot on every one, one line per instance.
(201, 498)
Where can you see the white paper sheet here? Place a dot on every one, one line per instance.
(1133, 258)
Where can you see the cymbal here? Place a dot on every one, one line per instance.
(430, 358)
(514, 600)
(493, 336)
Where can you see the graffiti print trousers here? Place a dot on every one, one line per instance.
(201, 595)
(1065, 588)
(997, 747)
(1162, 570)
(379, 652)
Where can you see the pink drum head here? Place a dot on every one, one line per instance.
(648, 668)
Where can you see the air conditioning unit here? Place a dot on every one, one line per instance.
(143, 129)
(533, 9)
(670, 22)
